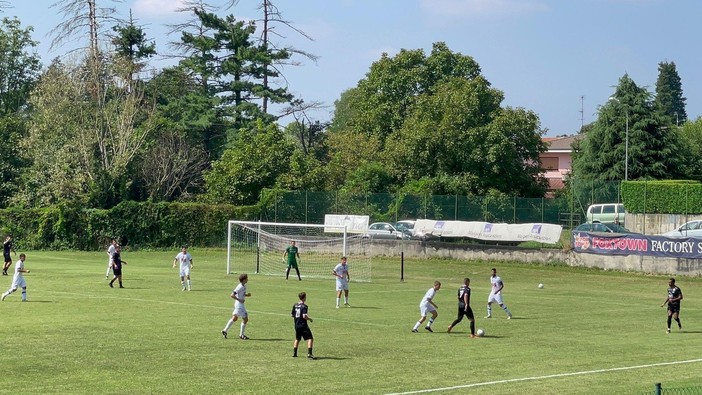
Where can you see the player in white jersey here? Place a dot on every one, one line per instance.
(110, 252)
(341, 272)
(496, 295)
(186, 263)
(239, 295)
(426, 306)
(18, 280)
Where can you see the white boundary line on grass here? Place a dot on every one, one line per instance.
(550, 376)
(209, 306)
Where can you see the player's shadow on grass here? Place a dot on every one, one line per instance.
(685, 331)
(332, 358)
(491, 337)
(40, 301)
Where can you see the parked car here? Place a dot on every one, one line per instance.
(688, 229)
(407, 226)
(601, 227)
(607, 213)
(384, 230)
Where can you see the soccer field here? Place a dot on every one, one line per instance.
(585, 332)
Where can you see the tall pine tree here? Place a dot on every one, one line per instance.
(653, 151)
(669, 95)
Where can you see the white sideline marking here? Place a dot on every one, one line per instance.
(210, 307)
(550, 376)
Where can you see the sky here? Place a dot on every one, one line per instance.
(560, 59)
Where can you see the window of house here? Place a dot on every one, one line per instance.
(549, 163)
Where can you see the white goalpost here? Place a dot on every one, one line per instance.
(258, 247)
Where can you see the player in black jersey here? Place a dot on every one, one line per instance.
(673, 301)
(7, 246)
(464, 308)
(302, 330)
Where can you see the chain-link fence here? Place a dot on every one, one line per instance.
(659, 390)
(567, 208)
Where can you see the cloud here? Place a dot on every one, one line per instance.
(157, 7)
(473, 8)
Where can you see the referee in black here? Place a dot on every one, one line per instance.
(464, 308)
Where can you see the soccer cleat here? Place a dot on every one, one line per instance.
(183, 289)
(448, 330)
(667, 330)
(509, 317)
(488, 316)
(347, 305)
(243, 337)
(472, 336)
(337, 306)
(111, 286)
(414, 331)
(310, 356)
(428, 328)
(224, 333)
(121, 286)
(3, 297)
(294, 355)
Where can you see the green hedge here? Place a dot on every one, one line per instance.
(136, 224)
(662, 197)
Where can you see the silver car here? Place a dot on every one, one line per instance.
(384, 230)
(688, 229)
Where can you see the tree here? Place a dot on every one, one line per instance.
(233, 67)
(653, 152)
(19, 68)
(255, 161)
(436, 119)
(387, 94)
(669, 94)
(81, 148)
(182, 105)
(691, 143)
(132, 48)
(279, 56)
(82, 15)
(172, 168)
(461, 133)
(194, 40)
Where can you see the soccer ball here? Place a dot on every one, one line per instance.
(541, 286)
(480, 333)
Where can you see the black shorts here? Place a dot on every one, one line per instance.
(674, 307)
(117, 272)
(8, 258)
(303, 333)
(468, 314)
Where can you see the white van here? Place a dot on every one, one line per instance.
(607, 213)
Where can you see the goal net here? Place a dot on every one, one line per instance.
(258, 247)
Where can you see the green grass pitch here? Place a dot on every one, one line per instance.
(585, 332)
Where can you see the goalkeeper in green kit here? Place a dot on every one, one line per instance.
(293, 255)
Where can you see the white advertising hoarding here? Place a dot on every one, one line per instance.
(353, 223)
(542, 233)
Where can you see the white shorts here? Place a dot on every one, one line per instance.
(185, 271)
(240, 311)
(495, 298)
(425, 309)
(342, 285)
(18, 282)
